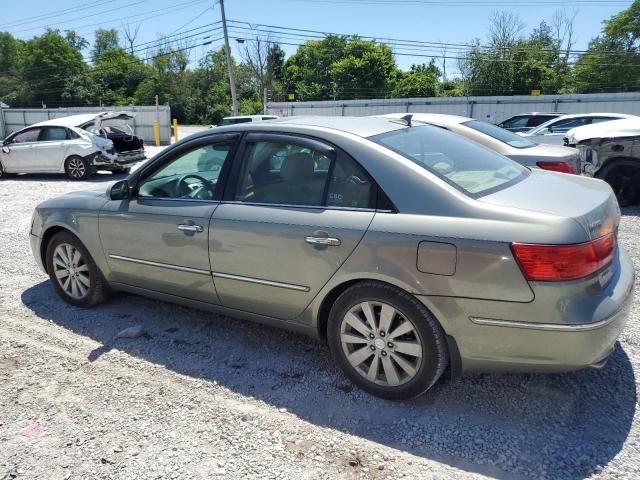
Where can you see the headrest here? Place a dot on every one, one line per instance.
(297, 168)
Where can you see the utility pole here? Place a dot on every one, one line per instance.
(232, 82)
(264, 100)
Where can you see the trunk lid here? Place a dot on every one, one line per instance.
(588, 201)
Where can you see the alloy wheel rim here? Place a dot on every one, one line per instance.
(381, 344)
(71, 271)
(76, 167)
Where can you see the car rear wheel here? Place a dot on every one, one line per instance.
(386, 341)
(75, 276)
(77, 168)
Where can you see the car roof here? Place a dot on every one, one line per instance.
(539, 113)
(433, 118)
(597, 114)
(360, 126)
(70, 121)
(250, 116)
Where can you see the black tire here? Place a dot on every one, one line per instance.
(78, 168)
(98, 290)
(2, 174)
(624, 178)
(427, 331)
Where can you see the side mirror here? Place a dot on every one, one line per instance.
(119, 190)
(6, 149)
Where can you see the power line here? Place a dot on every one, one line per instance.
(55, 13)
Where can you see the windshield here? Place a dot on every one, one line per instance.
(469, 167)
(504, 136)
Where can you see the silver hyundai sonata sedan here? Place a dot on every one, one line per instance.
(404, 246)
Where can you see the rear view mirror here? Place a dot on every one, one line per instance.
(119, 190)
(6, 149)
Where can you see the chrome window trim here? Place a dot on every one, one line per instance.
(176, 199)
(258, 281)
(161, 265)
(306, 207)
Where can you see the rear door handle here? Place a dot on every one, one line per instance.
(191, 228)
(332, 242)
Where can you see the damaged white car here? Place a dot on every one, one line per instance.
(77, 146)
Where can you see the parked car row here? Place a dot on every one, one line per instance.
(76, 145)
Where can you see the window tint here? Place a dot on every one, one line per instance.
(469, 167)
(350, 185)
(562, 126)
(540, 119)
(603, 119)
(30, 135)
(50, 134)
(282, 173)
(289, 174)
(516, 122)
(192, 174)
(500, 134)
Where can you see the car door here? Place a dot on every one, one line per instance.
(159, 238)
(50, 151)
(294, 210)
(18, 156)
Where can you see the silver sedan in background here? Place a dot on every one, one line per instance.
(406, 247)
(521, 149)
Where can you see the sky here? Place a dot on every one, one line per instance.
(452, 21)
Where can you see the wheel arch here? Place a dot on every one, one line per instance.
(47, 235)
(610, 162)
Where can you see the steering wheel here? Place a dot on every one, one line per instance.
(184, 189)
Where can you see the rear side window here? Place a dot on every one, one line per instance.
(467, 166)
(283, 173)
(30, 135)
(50, 134)
(539, 120)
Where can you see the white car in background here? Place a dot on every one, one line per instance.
(555, 130)
(62, 145)
(244, 119)
(517, 148)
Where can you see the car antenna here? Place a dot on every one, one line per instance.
(407, 118)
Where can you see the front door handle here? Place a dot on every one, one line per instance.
(191, 228)
(332, 242)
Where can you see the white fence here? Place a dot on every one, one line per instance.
(493, 109)
(12, 119)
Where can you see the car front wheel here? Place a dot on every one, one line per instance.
(75, 276)
(386, 341)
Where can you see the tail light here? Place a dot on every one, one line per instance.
(552, 263)
(563, 167)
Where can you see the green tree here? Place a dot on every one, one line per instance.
(612, 61)
(419, 81)
(104, 40)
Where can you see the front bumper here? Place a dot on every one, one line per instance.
(491, 338)
(36, 243)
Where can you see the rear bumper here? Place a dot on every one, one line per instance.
(119, 160)
(491, 343)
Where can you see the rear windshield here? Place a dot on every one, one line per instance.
(471, 168)
(504, 136)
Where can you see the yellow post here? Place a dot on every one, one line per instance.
(156, 132)
(175, 129)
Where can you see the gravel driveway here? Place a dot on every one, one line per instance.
(205, 396)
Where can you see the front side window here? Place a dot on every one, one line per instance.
(283, 173)
(191, 175)
(467, 166)
(563, 126)
(516, 122)
(50, 134)
(500, 134)
(27, 136)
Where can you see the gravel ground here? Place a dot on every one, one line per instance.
(206, 396)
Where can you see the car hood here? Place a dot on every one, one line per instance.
(588, 201)
(628, 127)
(80, 200)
